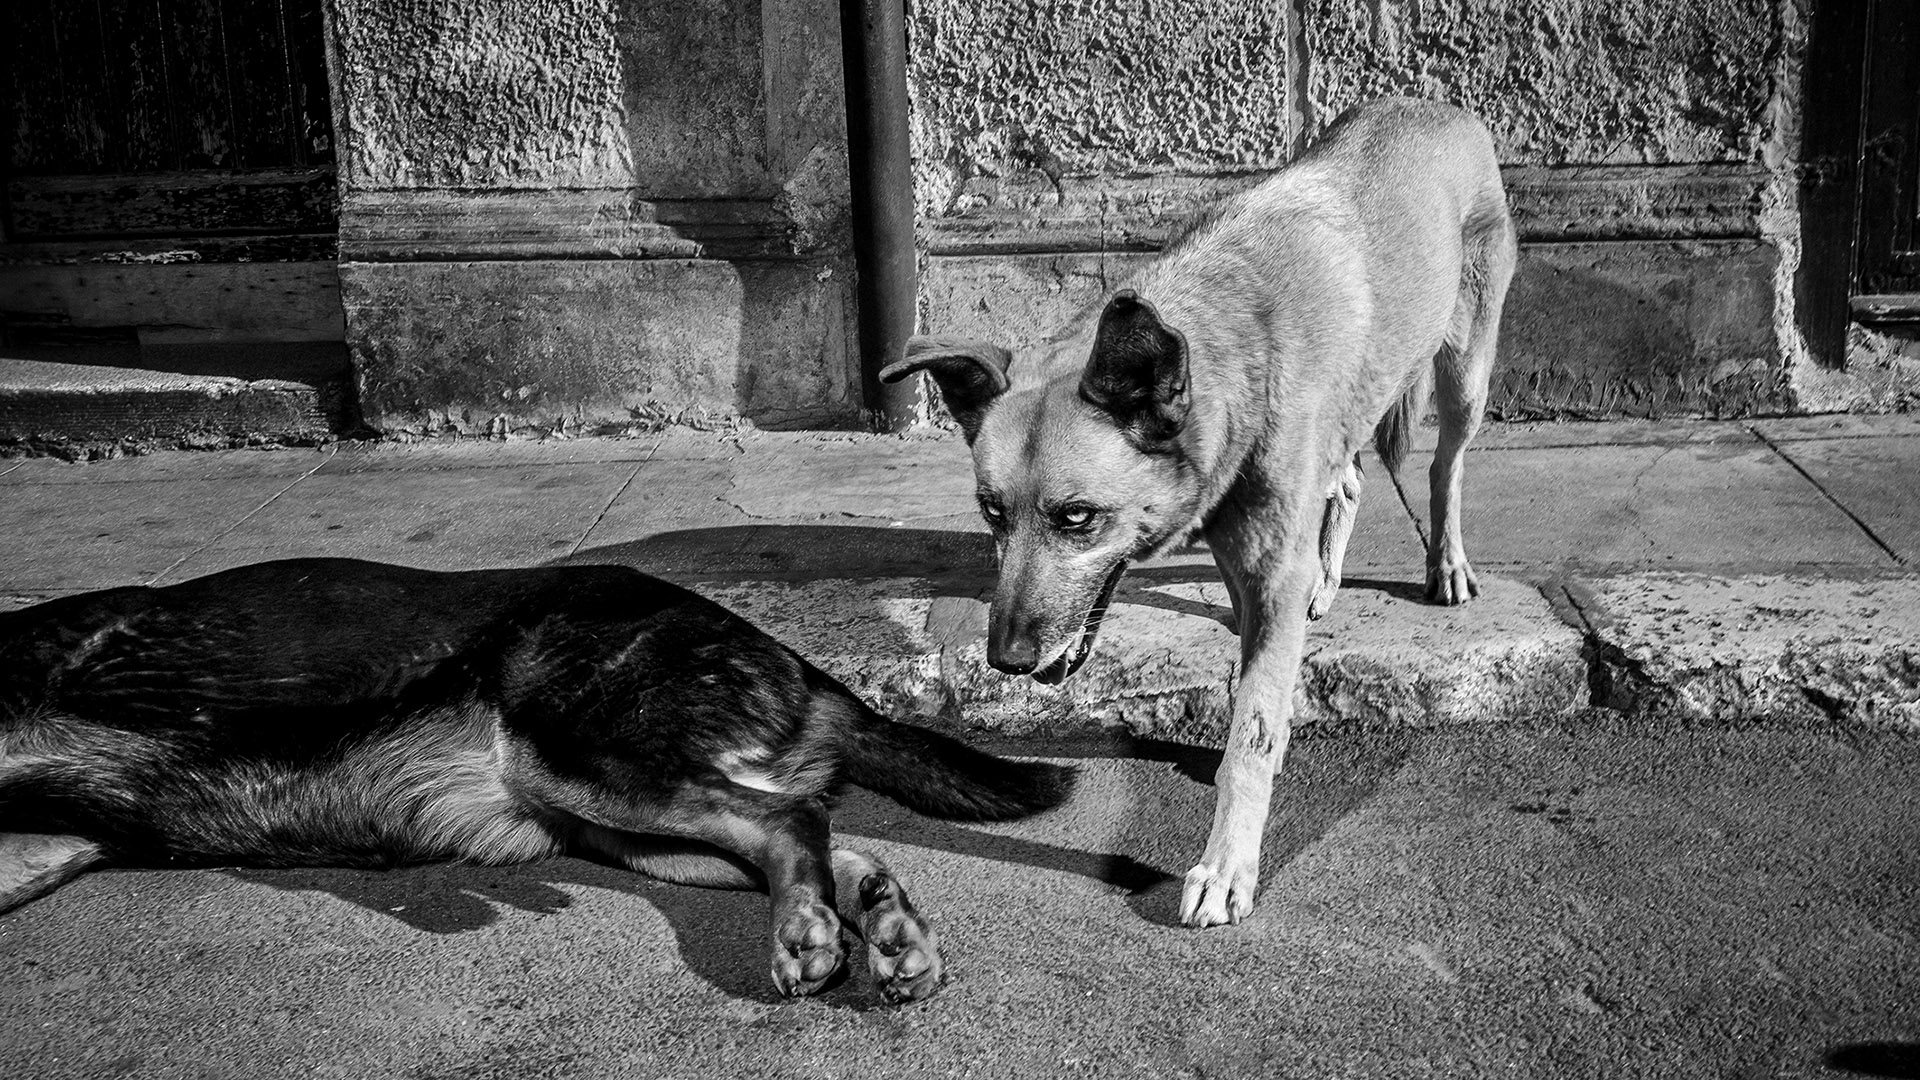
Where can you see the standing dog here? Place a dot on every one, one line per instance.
(1225, 394)
(344, 713)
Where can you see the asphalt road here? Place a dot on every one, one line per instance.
(1559, 902)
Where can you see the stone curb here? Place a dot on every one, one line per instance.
(1658, 647)
(1693, 647)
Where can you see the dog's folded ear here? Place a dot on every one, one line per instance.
(1138, 371)
(970, 374)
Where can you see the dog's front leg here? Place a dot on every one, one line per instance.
(1273, 618)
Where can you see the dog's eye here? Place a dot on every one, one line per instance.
(993, 513)
(1077, 517)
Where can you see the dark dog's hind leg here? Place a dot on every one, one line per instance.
(903, 954)
(34, 864)
(783, 837)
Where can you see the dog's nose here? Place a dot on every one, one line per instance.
(1015, 656)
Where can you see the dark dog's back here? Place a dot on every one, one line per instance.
(349, 713)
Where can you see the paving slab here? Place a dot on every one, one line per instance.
(1657, 506)
(1574, 904)
(447, 520)
(889, 479)
(69, 536)
(1760, 647)
(1855, 471)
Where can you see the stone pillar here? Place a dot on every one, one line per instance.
(581, 212)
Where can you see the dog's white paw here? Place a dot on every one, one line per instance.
(1213, 896)
(1323, 595)
(1452, 584)
(807, 951)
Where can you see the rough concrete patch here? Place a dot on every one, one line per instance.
(1166, 663)
(1882, 374)
(1760, 647)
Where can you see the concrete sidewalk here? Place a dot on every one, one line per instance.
(1693, 570)
(1530, 886)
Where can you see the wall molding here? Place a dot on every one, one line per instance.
(1029, 213)
(565, 223)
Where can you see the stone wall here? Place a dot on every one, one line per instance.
(1648, 148)
(580, 211)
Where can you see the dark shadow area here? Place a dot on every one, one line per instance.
(1896, 1060)
(1321, 784)
(721, 935)
(963, 560)
(861, 814)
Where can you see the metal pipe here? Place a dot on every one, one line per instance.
(874, 45)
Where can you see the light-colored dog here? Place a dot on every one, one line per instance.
(1225, 394)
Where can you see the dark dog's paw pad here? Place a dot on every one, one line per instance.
(902, 951)
(807, 951)
(904, 956)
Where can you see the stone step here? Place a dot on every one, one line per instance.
(86, 410)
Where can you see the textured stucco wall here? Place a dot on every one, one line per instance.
(1084, 86)
(1560, 81)
(480, 93)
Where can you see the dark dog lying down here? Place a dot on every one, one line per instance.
(344, 713)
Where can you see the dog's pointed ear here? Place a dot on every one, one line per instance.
(1138, 371)
(970, 374)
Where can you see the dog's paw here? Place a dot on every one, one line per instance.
(1213, 896)
(1450, 585)
(1323, 595)
(902, 952)
(807, 951)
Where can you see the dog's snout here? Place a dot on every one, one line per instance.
(1013, 654)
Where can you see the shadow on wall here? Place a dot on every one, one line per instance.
(1589, 342)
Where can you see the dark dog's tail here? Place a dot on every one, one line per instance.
(941, 776)
(1394, 434)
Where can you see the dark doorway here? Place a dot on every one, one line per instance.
(1860, 189)
(169, 187)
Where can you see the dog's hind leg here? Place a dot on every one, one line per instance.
(1342, 502)
(903, 954)
(34, 864)
(783, 837)
(1461, 370)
